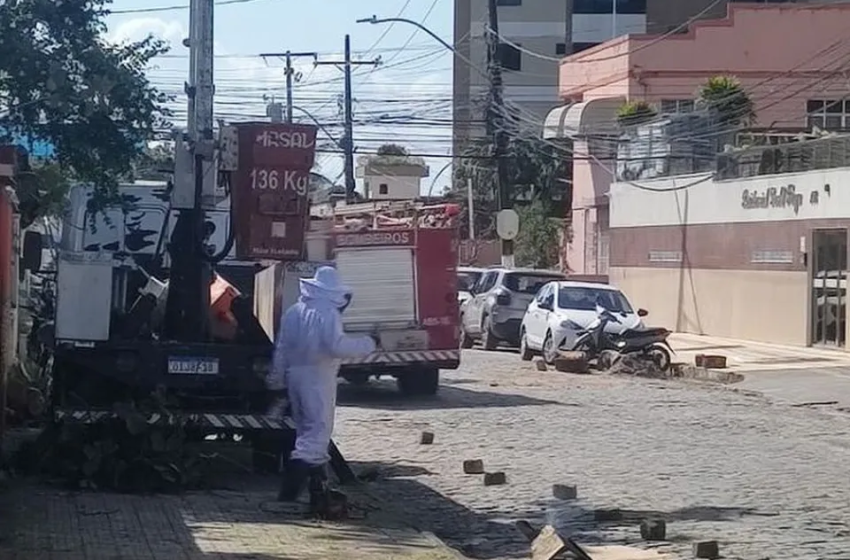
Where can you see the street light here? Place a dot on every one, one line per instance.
(375, 20)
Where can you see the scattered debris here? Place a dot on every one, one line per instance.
(638, 366)
(473, 466)
(528, 530)
(710, 361)
(815, 403)
(608, 515)
(707, 549)
(427, 438)
(653, 530)
(572, 362)
(495, 479)
(541, 365)
(548, 545)
(564, 492)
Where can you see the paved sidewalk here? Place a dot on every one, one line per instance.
(42, 523)
(785, 374)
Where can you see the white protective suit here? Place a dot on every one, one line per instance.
(307, 357)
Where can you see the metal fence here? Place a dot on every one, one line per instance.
(793, 157)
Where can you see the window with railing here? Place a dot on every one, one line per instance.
(828, 114)
(675, 106)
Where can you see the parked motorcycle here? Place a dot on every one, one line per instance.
(650, 342)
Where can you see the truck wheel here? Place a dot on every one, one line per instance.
(488, 339)
(424, 382)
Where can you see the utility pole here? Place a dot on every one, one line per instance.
(290, 73)
(496, 125)
(348, 143)
(187, 306)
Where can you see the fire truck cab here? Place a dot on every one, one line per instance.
(400, 259)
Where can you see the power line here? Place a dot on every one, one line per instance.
(174, 8)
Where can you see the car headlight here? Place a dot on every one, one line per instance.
(570, 324)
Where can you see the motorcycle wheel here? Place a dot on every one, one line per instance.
(661, 356)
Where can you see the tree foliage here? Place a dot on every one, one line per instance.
(538, 241)
(62, 82)
(633, 113)
(727, 98)
(392, 150)
(536, 170)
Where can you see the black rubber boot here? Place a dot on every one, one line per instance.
(294, 479)
(319, 489)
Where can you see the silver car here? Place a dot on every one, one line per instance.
(499, 299)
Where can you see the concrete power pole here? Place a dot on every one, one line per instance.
(188, 294)
(347, 65)
(290, 74)
(497, 126)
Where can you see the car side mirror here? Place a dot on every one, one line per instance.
(31, 253)
(642, 312)
(547, 305)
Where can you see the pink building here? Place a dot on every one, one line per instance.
(792, 59)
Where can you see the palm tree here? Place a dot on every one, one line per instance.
(727, 98)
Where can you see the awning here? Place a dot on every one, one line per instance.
(597, 116)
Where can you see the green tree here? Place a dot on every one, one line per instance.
(537, 169)
(727, 98)
(392, 150)
(62, 82)
(538, 241)
(632, 113)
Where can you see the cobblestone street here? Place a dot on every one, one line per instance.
(766, 481)
(718, 464)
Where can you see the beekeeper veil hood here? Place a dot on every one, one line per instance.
(326, 286)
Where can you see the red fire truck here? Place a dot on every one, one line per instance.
(400, 260)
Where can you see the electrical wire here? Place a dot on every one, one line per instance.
(159, 9)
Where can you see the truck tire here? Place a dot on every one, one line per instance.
(419, 382)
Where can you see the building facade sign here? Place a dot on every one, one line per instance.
(699, 199)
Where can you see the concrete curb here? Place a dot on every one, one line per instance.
(724, 377)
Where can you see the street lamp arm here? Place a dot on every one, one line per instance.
(374, 20)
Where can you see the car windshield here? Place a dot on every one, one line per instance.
(584, 298)
(527, 283)
(465, 280)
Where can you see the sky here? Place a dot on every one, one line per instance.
(413, 81)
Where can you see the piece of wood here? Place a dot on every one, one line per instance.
(653, 530)
(528, 530)
(707, 549)
(564, 492)
(473, 466)
(495, 479)
(548, 544)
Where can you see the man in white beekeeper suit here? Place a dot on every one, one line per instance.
(306, 362)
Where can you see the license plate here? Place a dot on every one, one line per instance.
(193, 366)
(404, 340)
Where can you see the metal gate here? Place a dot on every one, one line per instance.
(829, 287)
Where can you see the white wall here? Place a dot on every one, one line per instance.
(822, 194)
(398, 187)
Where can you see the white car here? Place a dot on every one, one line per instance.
(562, 310)
(467, 276)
